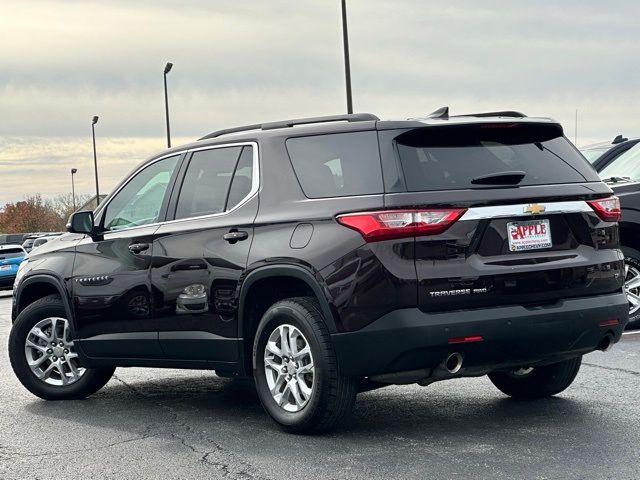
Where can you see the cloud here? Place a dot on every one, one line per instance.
(43, 164)
(236, 62)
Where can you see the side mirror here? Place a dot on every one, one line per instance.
(81, 222)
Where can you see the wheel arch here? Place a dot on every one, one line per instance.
(39, 286)
(630, 229)
(266, 285)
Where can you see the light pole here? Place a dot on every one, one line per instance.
(167, 69)
(73, 188)
(347, 67)
(95, 158)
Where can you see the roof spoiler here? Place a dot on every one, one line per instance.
(443, 113)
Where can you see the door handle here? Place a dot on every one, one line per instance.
(138, 247)
(235, 236)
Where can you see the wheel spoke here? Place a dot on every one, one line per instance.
(47, 372)
(295, 393)
(633, 299)
(273, 348)
(284, 341)
(40, 334)
(293, 344)
(303, 352)
(39, 361)
(74, 371)
(284, 397)
(65, 332)
(269, 362)
(54, 329)
(304, 388)
(308, 368)
(278, 384)
(35, 346)
(633, 283)
(63, 376)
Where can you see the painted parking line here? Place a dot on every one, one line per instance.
(636, 332)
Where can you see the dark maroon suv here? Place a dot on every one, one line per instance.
(329, 255)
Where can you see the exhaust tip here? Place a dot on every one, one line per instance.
(606, 343)
(453, 363)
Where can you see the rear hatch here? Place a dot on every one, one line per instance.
(504, 213)
(10, 259)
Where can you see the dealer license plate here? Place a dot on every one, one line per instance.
(531, 235)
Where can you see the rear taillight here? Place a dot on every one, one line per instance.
(388, 224)
(608, 209)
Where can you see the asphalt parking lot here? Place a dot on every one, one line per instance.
(173, 424)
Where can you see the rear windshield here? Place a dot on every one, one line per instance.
(337, 165)
(11, 253)
(455, 157)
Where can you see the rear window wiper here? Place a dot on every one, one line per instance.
(617, 179)
(500, 178)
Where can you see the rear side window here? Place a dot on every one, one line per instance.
(451, 158)
(337, 165)
(216, 180)
(242, 179)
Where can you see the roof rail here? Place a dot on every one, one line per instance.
(505, 113)
(352, 117)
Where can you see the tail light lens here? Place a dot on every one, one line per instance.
(388, 224)
(608, 209)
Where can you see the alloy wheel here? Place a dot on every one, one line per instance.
(289, 368)
(50, 352)
(632, 287)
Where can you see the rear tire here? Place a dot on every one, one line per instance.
(89, 381)
(327, 396)
(540, 382)
(632, 265)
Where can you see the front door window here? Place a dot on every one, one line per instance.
(139, 201)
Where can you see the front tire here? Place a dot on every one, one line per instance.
(43, 356)
(538, 382)
(295, 369)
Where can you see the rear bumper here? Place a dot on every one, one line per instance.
(410, 339)
(6, 281)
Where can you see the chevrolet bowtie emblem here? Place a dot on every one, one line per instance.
(534, 209)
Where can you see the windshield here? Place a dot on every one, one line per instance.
(593, 154)
(626, 165)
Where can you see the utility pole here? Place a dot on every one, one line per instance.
(73, 188)
(167, 69)
(95, 158)
(347, 67)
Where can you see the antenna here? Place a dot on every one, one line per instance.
(442, 113)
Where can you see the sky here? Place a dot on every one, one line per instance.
(247, 61)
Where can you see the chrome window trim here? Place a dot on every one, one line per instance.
(255, 185)
(518, 210)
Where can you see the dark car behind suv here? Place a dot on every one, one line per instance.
(622, 174)
(329, 255)
(602, 154)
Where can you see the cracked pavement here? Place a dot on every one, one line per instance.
(180, 424)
